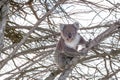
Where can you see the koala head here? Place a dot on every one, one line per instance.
(69, 31)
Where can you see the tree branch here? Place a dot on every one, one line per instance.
(53, 75)
(3, 19)
(3, 62)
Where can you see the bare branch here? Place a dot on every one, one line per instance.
(25, 37)
(3, 19)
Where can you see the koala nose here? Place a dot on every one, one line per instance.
(69, 35)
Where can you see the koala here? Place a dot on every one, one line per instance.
(69, 42)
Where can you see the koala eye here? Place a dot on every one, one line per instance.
(67, 32)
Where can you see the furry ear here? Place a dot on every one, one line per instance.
(61, 27)
(76, 24)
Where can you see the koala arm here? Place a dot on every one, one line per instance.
(82, 40)
(70, 52)
(85, 45)
(60, 45)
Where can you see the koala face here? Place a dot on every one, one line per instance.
(69, 31)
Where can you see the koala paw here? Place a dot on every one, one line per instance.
(83, 52)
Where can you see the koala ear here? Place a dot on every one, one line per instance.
(76, 24)
(61, 27)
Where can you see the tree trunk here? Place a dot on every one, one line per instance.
(3, 19)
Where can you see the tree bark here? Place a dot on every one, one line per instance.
(3, 19)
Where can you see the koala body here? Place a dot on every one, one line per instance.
(69, 41)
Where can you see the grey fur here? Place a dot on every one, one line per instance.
(64, 54)
(76, 24)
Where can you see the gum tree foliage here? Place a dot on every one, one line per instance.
(31, 32)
